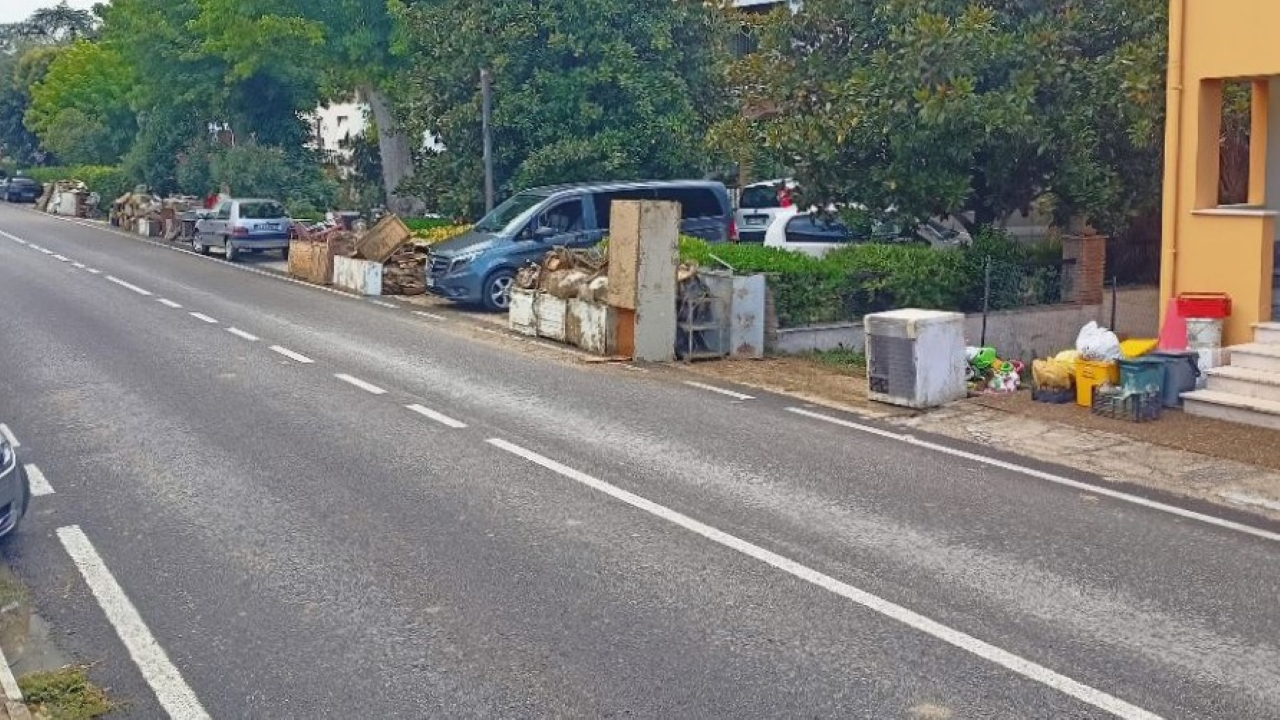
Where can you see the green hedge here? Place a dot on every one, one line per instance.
(859, 279)
(424, 224)
(108, 181)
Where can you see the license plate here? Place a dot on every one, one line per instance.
(273, 226)
(756, 219)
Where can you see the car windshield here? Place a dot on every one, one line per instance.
(262, 211)
(759, 198)
(504, 214)
(22, 181)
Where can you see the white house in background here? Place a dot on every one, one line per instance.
(333, 125)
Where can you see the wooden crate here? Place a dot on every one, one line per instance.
(382, 241)
(311, 261)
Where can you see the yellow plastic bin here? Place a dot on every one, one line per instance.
(1091, 374)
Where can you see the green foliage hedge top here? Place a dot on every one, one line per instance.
(859, 279)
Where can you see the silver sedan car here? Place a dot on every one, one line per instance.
(15, 493)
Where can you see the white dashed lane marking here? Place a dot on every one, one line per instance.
(357, 382)
(242, 334)
(298, 357)
(384, 304)
(438, 417)
(128, 285)
(62, 258)
(433, 316)
(38, 482)
(204, 318)
(169, 303)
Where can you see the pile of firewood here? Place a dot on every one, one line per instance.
(404, 273)
(567, 273)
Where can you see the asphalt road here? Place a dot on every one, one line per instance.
(249, 520)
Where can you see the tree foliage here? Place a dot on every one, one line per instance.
(80, 109)
(960, 107)
(593, 89)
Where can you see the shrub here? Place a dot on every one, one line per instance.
(110, 182)
(873, 277)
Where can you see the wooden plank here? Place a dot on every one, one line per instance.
(624, 253)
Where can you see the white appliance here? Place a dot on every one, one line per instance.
(915, 358)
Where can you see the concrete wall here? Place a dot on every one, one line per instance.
(1022, 334)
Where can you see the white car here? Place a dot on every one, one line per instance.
(818, 233)
(759, 206)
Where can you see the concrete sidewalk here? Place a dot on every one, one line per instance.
(1114, 456)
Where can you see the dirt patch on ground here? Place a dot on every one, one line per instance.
(1174, 429)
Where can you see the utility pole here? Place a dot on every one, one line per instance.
(486, 110)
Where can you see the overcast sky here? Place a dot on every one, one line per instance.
(15, 10)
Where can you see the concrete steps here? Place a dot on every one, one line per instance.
(1248, 390)
(1257, 356)
(1233, 408)
(1267, 333)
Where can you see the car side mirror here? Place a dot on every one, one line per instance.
(543, 232)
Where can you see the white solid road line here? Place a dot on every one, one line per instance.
(8, 435)
(968, 643)
(171, 690)
(242, 334)
(95, 271)
(381, 303)
(433, 316)
(14, 238)
(367, 387)
(169, 303)
(62, 258)
(1041, 475)
(203, 318)
(46, 251)
(438, 417)
(78, 265)
(292, 355)
(38, 482)
(128, 286)
(722, 391)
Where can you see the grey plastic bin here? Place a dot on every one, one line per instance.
(1181, 369)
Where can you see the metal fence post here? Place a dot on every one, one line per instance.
(986, 298)
(1115, 294)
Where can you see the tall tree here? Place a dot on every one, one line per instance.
(583, 90)
(80, 109)
(972, 108)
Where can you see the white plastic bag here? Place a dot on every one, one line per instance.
(1097, 343)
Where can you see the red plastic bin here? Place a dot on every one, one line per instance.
(1210, 306)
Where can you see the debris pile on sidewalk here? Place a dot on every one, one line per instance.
(70, 198)
(311, 254)
(565, 273)
(404, 273)
(987, 372)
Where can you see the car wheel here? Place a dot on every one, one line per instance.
(233, 252)
(198, 245)
(496, 291)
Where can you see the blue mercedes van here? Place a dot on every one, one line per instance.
(480, 266)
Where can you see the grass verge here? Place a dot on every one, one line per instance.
(850, 361)
(64, 694)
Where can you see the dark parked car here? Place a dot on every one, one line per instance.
(479, 267)
(15, 493)
(21, 189)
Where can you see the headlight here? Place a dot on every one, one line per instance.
(461, 261)
(6, 454)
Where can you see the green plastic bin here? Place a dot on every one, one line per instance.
(1143, 375)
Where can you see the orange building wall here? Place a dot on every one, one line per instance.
(1217, 251)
